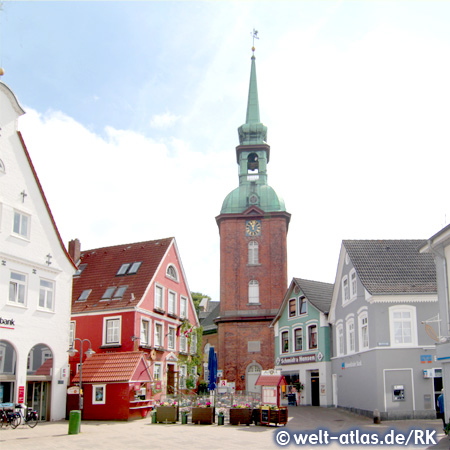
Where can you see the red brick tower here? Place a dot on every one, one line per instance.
(253, 225)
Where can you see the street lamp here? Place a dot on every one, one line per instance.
(89, 352)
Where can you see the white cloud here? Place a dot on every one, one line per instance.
(163, 121)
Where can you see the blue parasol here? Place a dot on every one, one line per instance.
(212, 369)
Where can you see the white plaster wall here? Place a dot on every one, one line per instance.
(29, 256)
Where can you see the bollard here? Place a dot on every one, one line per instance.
(376, 416)
(74, 422)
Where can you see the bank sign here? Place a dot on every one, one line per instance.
(7, 323)
(300, 359)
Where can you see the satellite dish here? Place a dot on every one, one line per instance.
(430, 331)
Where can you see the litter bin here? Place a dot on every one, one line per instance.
(153, 416)
(74, 422)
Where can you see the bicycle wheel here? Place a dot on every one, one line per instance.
(32, 420)
(15, 420)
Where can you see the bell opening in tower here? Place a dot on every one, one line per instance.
(252, 167)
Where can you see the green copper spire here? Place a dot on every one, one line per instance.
(252, 155)
(253, 131)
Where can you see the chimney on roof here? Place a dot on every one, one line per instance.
(75, 250)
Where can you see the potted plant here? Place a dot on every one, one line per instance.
(241, 414)
(203, 413)
(167, 412)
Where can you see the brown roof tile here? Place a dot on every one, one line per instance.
(110, 367)
(100, 272)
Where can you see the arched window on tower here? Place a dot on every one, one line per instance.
(253, 291)
(253, 252)
(252, 163)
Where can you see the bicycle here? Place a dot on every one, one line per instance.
(30, 418)
(9, 417)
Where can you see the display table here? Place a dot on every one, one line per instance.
(277, 416)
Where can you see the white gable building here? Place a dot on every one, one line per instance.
(35, 280)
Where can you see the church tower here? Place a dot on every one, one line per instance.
(253, 225)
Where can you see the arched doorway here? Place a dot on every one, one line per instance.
(39, 376)
(7, 372)
(252, 373)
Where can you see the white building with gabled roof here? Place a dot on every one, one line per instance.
(35, 280)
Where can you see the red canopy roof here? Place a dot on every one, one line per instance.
(271, 380)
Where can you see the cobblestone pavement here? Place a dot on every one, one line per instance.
(142, 434)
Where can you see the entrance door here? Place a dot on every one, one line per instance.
(315, 389)
(38, 398)
(171, 379)
(253, 372)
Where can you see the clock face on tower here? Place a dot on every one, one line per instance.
(252, 227)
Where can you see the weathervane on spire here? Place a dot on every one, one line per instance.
(254, 34)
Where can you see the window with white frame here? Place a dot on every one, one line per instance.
(183, 343)
(21, 225)
(183, 307)
(159, 292)
(340, 340)
(46, 294)
(171, 272)
(171, 338)
(253, 291)
(17, 288)
(353, 284)
(145, 332)
(193, 346)
(183, 376)
(72, 333)
(363, 331)
(157, 371)
(112, 330)
(253, 252)
(345, 290)
(172, 303)
(402, 324)
(312, 337)
(158, 335)
(292, 307)
(350, 326)
(285, 342)
(302, 305)
(98, 394)
(298, 339)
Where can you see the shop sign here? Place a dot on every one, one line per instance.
(21, 394)
(349, 365)
(73, 390)
(300, 359)
(7, 323)
(426, 359)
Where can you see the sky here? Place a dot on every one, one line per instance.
(132, 110)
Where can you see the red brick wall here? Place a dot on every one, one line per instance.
(233, 356)
(235, 273)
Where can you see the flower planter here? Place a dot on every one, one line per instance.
(203, 416)
(167, 414)
(240, 416)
